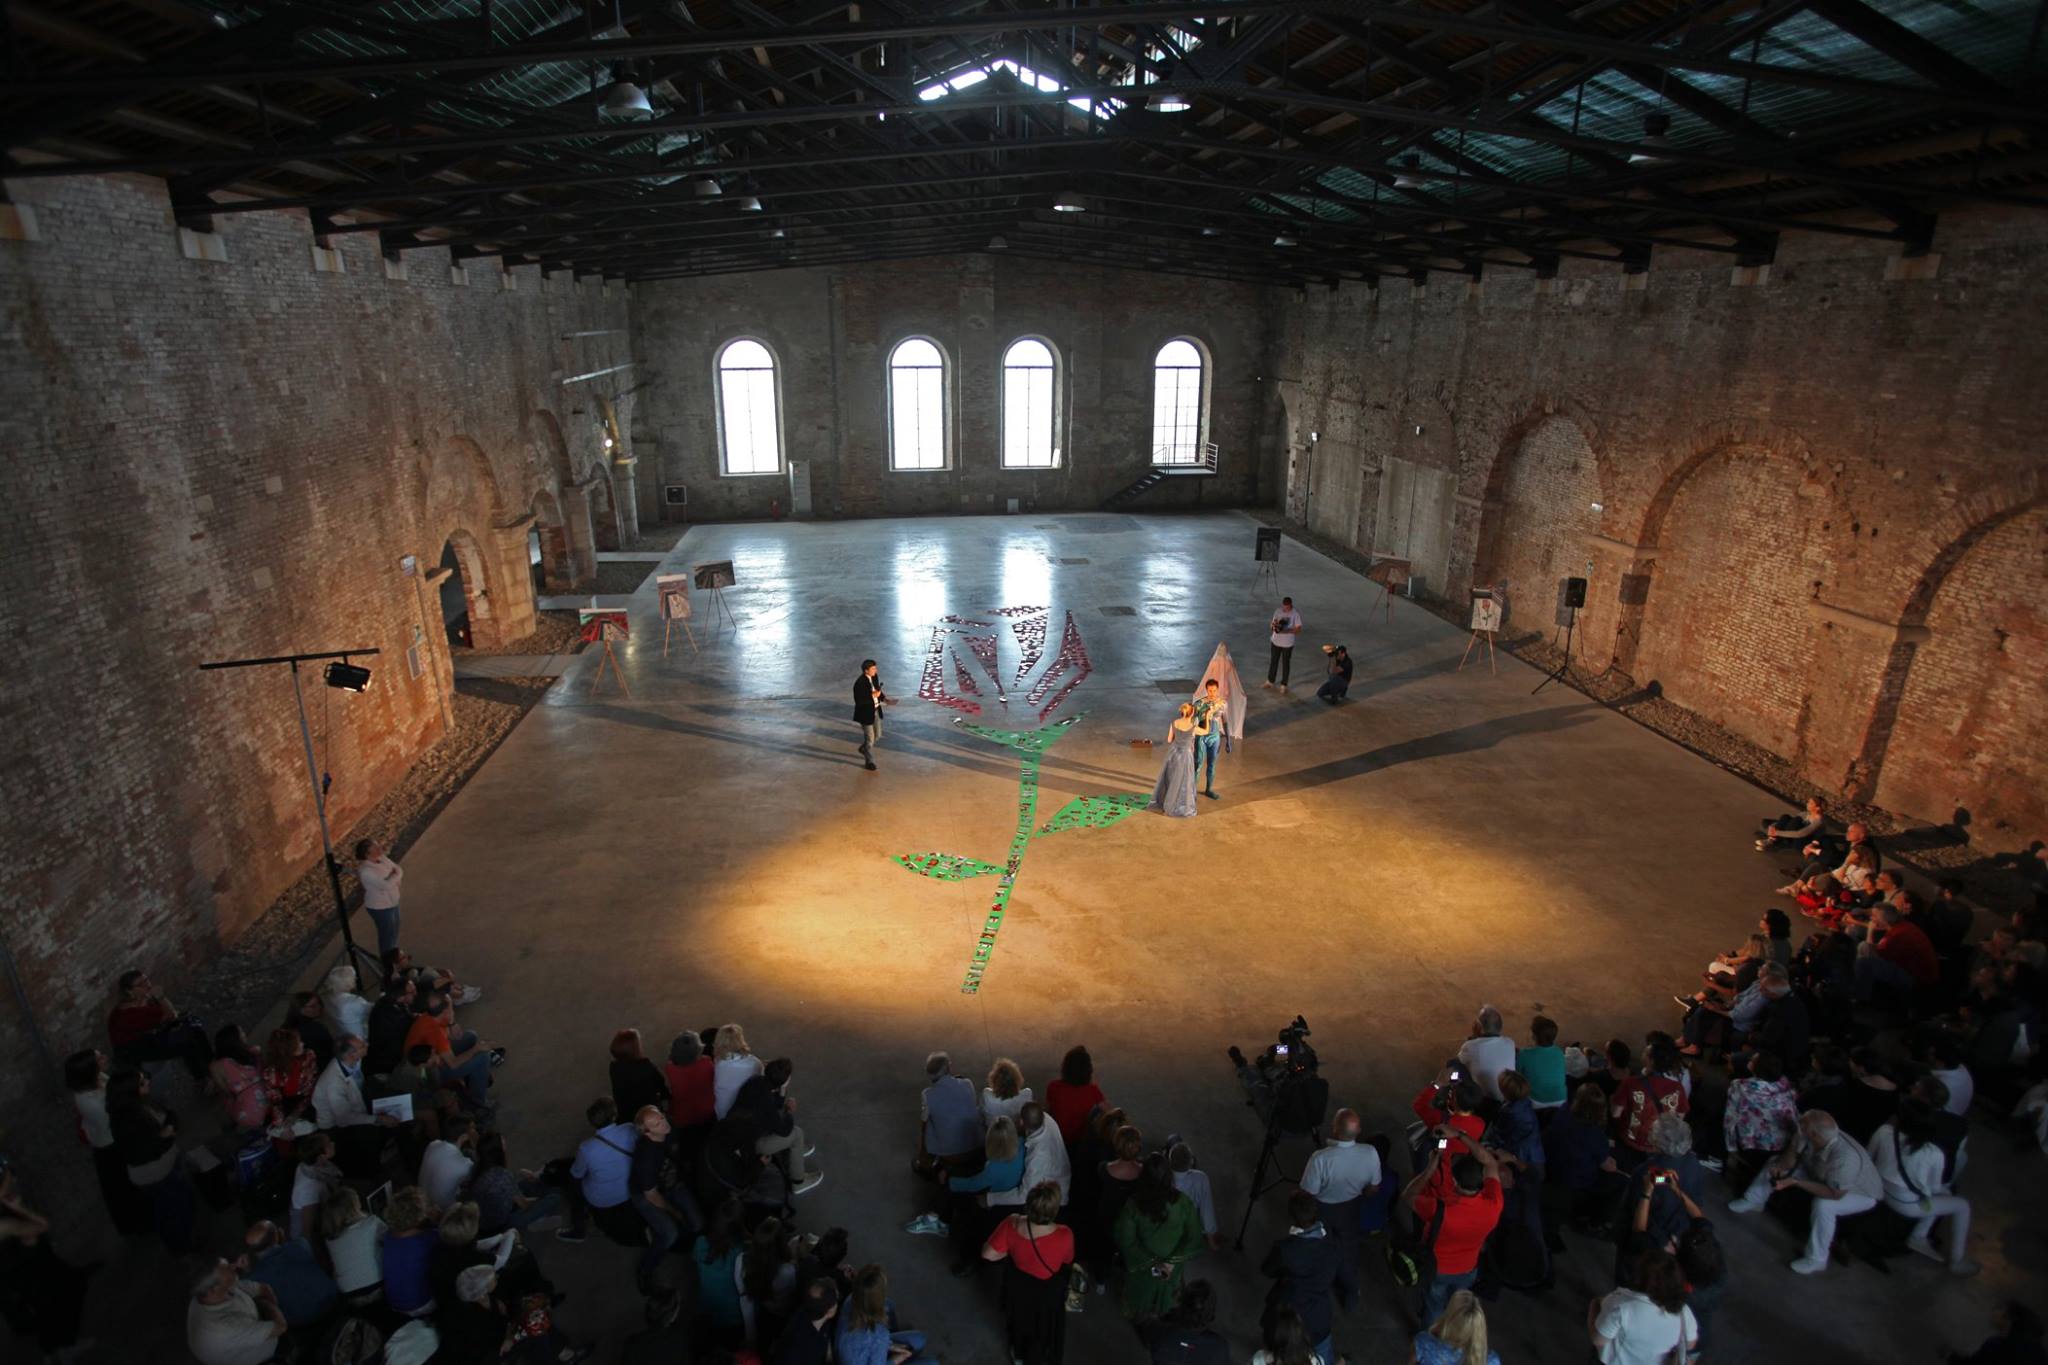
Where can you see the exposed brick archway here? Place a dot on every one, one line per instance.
(1553, 520)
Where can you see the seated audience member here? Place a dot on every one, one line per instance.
(1827, 1164)
(1451, 1101)
(1005, 1093)
(603, 1172)
(236, 1078)
(1463, 1213)
(465, 1060)
(1941, 1053)
(1002, 1170)
(409, 1252)
(716, 1256)
(1838, 888)
(308, 1019)
(1827, 851)
(1640, 1099)
(2016, 1336)
(865, 1337)
(1792, 831)
(1762, 1116)
(1486, 1053)
(1646, 1325)
(1712, 1021)
(636, 1081)
(1186, 1335)
(950, 1131)
(1071, 1098)
(342, 1111)
(432, 981)
(305, 1292)
(506, 1198)
(1727, 975)
(1578, 1166)
(232, 1323)
(669, 1213)
(1193, 1182)
(807, 1338)
(1784, 1029)
(447, 1163)
(771, 1114)
(1706, 1275)
(826, 1260)
(1610, 1066)
(349, 1011)
(390, 1021)
(355, 1243)
(767, 1273)
(1036, 1251)
(457, 1248)
(1868, 1099)
(290, 1071)
(1949, 918)
(1896, 957)
(1909, 1163)
(1458, 1337)
(42, 1296)
(692, 1096)
(732, 1065)
(146, 1027)
(1045, 1159)
(1543, 1063)
(471, 1326)
(1663, 1196)
(1286, 1340)
(314, 1180)
(1156, 1232)
(1307, 1267)
(420, 1076)
(1777, 927)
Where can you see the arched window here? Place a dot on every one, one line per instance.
(917, 405)
(749, 409)
(1030, 405)
(1180, 395)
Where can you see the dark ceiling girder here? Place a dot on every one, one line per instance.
(1902, 45)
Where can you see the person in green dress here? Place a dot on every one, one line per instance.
(1157, 1232)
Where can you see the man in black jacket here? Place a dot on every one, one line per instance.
(868, 702)
(772, 1117)
(807, 1339)
(1304, 1267)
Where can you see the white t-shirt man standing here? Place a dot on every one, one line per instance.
(1286, 625)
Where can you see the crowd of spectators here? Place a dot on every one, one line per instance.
(381, 1209)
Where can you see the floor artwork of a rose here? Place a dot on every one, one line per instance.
(964, 651)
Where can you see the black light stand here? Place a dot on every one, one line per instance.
(359, 678)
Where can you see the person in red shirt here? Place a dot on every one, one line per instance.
(1039, 1250)
(691, 1101)
(1641, 1098)
(1450, 1102)
(1463, 1215)
(145, 1027)
(1075, 1095)
(1898, 957)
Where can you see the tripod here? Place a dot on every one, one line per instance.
(1269, 1151)
(1570, 621)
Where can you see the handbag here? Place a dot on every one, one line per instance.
(1414, 1262)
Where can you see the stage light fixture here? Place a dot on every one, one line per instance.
(347, 677)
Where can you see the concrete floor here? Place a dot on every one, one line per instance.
(711, 850)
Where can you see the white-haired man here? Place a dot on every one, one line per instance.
(229, 1324)
(1339, 1175)
(1486, 1053)
(1831, 1166)
(1045, 1158)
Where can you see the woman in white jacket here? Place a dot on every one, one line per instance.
(1909, 1163)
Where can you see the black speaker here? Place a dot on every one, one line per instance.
(1575, 592)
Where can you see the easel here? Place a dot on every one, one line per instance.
(719, 608)
(1384, 572)
(609, 658)
(1267, 578)
(1386, 600)
(668, 626)
(1468, 651)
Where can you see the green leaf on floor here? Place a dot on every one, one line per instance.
(945, 867)
(1094, 812)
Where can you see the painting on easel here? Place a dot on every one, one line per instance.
(602, 626)
(672, 594)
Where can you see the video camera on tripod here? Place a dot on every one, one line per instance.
(1282, 1086)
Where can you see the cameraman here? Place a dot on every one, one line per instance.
(1283, 1086)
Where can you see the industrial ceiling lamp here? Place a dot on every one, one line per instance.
(776, 234)
(625, 99)
(705, 187)
(1212, 231)
(1170, 103)
(1410, 176)
(1069, 203)
(747, 203)
(1284, 240)
(1656, 130)
(999, 243)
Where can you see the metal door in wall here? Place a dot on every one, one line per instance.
(1414, 523)
(1300, 469)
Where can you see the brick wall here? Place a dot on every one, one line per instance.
(1798, 477)
(832, 330)
(214, 458)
